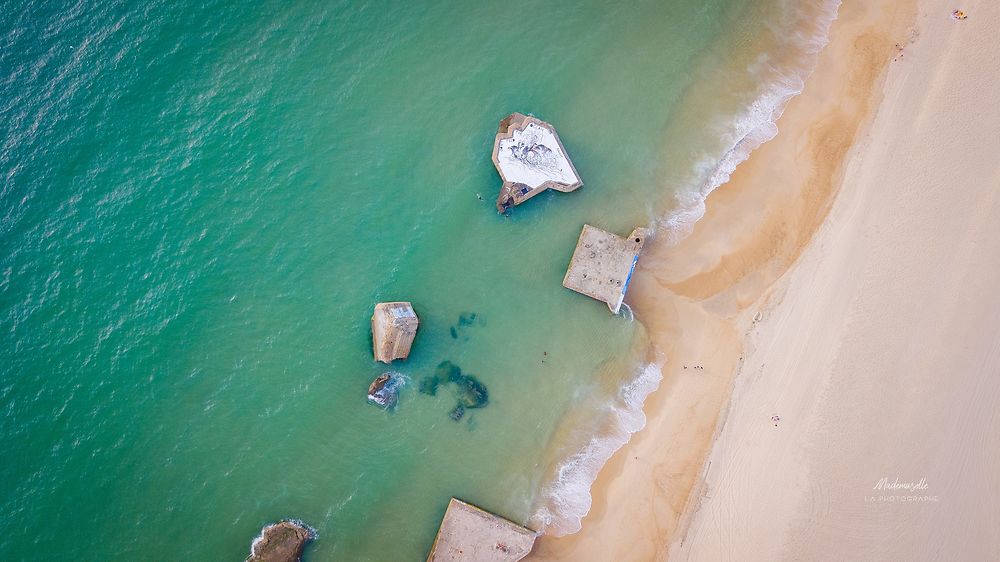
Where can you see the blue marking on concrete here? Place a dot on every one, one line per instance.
(635, 259)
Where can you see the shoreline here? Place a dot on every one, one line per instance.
(878, 351)
(741, 89)
(696, 298)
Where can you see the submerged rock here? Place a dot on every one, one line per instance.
(429, 386)
(448, 372)
(467, 318)
(384, 390)
(468, 391)
(281, 542)
(471, 392)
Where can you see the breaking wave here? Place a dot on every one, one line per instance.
(565, 501)
(778, 74)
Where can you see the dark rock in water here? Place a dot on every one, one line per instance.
(281, 542)
(468, 391)
(378, 384)
(471, 392)
(467, 318)
(384, 390)
(448, 372)
(429, 386)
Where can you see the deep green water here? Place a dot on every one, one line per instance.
(202, 201)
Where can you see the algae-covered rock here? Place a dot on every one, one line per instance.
(384, 390)
(471, 393)
(468, 391)
(281, 542)
(429, 385)
(467, 318)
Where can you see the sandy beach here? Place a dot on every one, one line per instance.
(830, 326)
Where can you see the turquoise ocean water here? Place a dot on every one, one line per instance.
(202, 201)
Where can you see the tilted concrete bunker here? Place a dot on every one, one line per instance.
(394, 325)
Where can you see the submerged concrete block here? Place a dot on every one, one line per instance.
(530, 158)
(471, 534)
(394, 325)
(603, 263)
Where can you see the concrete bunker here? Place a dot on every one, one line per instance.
(530, 158)
(468, 533)
(603, 263)
(394, 325)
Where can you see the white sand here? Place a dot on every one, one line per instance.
(882, 354)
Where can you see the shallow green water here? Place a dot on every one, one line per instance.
(202, 201)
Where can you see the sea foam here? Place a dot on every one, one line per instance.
(564, 502)
(756, 123)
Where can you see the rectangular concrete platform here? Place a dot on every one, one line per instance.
(603, 263)
(470, 534)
